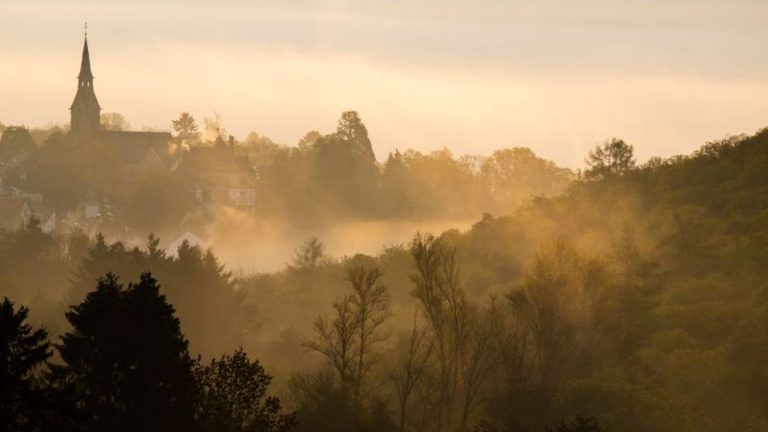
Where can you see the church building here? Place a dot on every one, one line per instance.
(85, 110)
(137, 149)
(215, 174)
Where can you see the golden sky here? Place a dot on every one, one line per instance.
(473, 76)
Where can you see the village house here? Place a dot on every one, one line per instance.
(17, 207)
(218, 176)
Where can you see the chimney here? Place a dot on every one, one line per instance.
(231, 142)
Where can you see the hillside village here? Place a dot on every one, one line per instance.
(213, 173)
(97, 176)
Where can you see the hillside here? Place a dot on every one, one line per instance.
(658, 271)
(637, 296)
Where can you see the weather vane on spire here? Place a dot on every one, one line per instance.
(86, 29)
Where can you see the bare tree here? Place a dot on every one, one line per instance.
(113, 121)
(478, 361)
(347, 341)
(444, 302)
(415, 353)
(370, 303)
(336, 339)
(512, 346)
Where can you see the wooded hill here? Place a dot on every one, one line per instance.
(638, 296)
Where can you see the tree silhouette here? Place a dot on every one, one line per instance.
(614, 157)
(324, 406)
(23, 349)
(345, 169)
(370, 302)
(114, 122)
(335, 339)
(336, 172)
(308, 140)
(513, 175)
(202, 291)
(128, 360)
(186, 129)
(445, 308)
(414, 352)
(233, 397)
(351, 130)
(397, 187)
(15, 139)
(347, 341)
(310, 255)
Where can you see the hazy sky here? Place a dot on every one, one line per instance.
(473, 76)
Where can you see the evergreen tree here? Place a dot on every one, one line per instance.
(128, 360)
(351, 130)
(186, 129)
(23, 350)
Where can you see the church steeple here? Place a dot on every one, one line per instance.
(85, 63)
(85, 108)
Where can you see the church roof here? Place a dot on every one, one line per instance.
(133, 146)
(136, 137)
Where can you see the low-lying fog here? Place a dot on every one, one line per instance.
(268, 245)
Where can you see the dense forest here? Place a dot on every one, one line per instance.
(634, 300)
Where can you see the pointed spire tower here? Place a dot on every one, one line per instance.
(85, 109)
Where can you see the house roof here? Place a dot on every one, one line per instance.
(218, 159)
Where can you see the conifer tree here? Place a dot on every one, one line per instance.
(128, 360)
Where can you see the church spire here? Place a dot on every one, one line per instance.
(85, 108)
(85, 64)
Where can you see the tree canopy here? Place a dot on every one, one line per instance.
(614, 157)
(24, 350)
(128, 360)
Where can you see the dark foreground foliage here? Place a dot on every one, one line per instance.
(125, 366)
